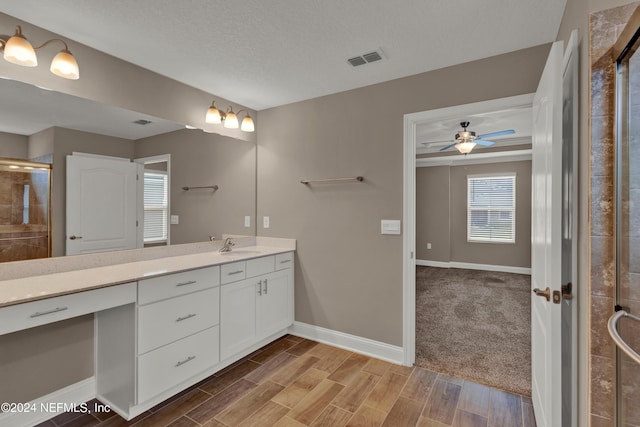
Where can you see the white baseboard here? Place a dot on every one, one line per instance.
(43, 408)
(472, 266)
(368, 347)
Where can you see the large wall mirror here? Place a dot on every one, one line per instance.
(47, 126)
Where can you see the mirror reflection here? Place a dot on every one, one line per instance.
(45, 126)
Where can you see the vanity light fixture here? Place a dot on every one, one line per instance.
(229, 119)
(18, 50)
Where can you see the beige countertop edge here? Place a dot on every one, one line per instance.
(27, 289)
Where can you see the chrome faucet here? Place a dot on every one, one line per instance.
(226, 246)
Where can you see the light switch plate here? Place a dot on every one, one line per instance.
(175, 219)
(390, 226)
(247, 221)
(265, 222)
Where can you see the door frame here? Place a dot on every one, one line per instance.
(411, 121)
(161, 158)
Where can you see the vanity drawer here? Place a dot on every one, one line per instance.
(170, 320)
(260, 266)
(233, 272)
(30, 314)
(168, 366)
(172, 285)
(284, 261)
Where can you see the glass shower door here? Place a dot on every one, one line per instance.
(628, 229)
(24, 210)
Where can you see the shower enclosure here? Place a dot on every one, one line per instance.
(625, 325)
(25, 222)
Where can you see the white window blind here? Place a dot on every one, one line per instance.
(155, 207)
(491, 208)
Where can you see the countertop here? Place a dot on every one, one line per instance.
(25, 281)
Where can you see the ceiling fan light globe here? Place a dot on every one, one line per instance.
(465, 147)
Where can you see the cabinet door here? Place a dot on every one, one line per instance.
(238, 316)
(275, 305)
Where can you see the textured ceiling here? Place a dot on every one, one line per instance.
(268, 53)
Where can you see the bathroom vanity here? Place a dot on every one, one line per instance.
(164, 324)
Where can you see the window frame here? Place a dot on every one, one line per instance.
(164, 207)
(489, 209)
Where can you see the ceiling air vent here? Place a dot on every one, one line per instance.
(142, 122)
(366, 58)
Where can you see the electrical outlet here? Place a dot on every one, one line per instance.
(175, 220)
(265, 222)
(247, 221)
(428, 245)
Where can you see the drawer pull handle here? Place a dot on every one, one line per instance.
(55, 310)
(235, 272)
(187, 360)
(260, 288)
(188, 316)
(284, 261)
(190, 282)
(265, 287)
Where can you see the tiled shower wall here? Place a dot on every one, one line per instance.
(605, 28)
(19, 241)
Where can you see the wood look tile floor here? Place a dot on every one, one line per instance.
(296, 382)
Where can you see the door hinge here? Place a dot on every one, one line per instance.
(136, 223)
(137, 177)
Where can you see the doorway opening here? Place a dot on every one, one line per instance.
(473, 245)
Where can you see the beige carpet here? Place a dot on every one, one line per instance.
(475, 325)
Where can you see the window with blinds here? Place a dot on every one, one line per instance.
(491, 208)
(156, 207)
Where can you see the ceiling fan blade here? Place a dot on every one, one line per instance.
(448, 146)
(494, 134)
(484, 142)
(436, 142)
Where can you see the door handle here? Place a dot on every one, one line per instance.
(546, 293)
(74, 237)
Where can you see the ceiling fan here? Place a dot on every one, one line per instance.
(465, 140)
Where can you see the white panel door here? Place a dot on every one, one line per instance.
(101, 204)
(238, 316)
(546, 240)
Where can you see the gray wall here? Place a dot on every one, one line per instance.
(433, 215)
(199, 159)
(14, 146)
(347, 274)
(441, 216)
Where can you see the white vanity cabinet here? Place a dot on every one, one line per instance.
(156, 335)
(178, 332)
(258, 306)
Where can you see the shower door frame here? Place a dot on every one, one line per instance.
(627, 44)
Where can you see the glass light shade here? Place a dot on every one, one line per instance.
(247, 124)
(19, 51)
(231, 121)
(64, 65)
(465, 147)
(213, 115)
